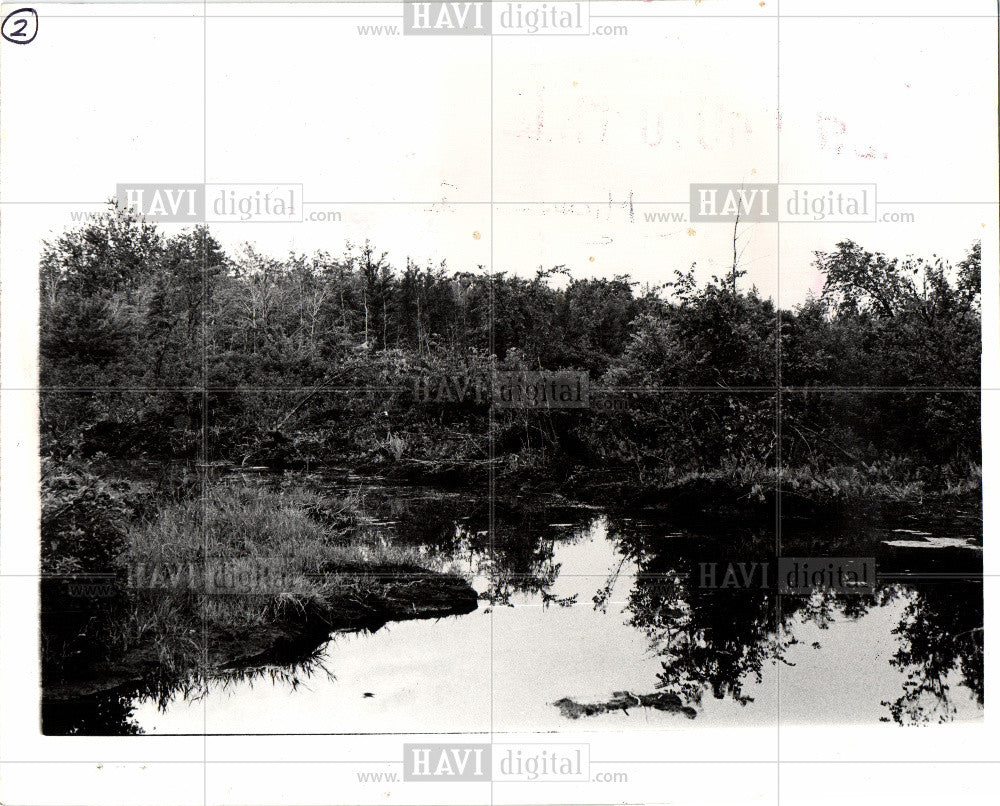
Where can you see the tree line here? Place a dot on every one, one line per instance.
(883, 365)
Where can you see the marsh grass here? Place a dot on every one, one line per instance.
(813, 489)
(241, 567)
(889, 481)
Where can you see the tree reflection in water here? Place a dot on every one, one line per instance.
(941, 639)
(719, 641)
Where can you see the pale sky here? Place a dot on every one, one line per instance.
(410, 140)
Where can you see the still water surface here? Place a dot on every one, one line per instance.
(596, 610)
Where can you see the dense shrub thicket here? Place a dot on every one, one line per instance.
(297, 354)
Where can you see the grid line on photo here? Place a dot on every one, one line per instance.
(492, 411)
(896, 575)
(204, 395)
(356, 5)
(485, 202)
(650, 390)
(777, 407)
(664, 762)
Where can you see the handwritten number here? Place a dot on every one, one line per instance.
(21, 26)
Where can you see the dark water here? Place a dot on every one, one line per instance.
(605, 613)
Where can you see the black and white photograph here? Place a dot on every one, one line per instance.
(498, 403)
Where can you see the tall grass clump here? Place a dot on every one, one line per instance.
(241, 567)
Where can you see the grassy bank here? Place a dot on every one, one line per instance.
(749, 491)
(237, 576)
(728, 470)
